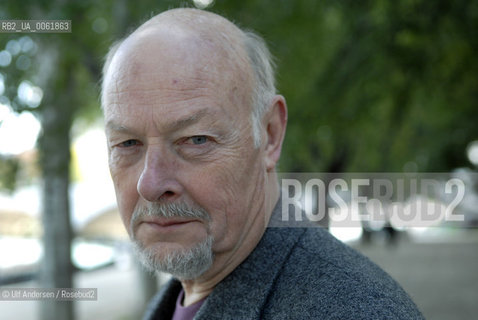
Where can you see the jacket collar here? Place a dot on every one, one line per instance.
(244, 292)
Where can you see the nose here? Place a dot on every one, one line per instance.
(157, 182)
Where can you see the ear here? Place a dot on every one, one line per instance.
(275, 123)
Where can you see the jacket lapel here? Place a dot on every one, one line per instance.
(243, 294)
(163, 304)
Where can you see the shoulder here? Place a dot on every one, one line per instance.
(323, 278)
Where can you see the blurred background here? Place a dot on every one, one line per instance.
(371, 86)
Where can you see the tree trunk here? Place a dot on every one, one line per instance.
(56, 269)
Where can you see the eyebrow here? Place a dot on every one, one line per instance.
(175, 126)
(111, 125)
(188, 120)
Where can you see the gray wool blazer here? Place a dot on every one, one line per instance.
(298, 273)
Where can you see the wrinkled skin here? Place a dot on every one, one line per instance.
(178, 126)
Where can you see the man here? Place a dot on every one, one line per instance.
(195, 129)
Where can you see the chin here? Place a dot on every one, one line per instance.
(182, 263)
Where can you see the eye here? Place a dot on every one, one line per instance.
(199, 139)
(128, 143)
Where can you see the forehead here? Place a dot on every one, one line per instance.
(171, 69)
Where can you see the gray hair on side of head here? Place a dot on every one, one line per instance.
(262, 64)
(264, 88)
(108, 59)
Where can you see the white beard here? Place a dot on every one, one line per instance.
(183, 264)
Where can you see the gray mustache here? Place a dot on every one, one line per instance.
(167, 210)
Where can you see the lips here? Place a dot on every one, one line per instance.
(165, 222)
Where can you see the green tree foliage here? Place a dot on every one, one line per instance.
(372, 85)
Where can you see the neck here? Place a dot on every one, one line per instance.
(197, 289)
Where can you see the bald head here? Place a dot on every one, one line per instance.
(181, 38)
(205, 25)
